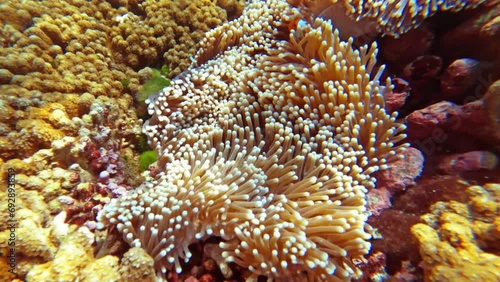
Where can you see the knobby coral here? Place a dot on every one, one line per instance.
(461, 240)
(268, 141)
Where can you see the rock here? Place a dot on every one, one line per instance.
(458, 78)
(444, 116)
(397, 243)
(422, 75)
(478, 119)
(378, 200)
(401, 51)
(419, 198)
(397, 98)
(491, 101)
(401, 173)
(481, 29)
(373, 267)
(470, 161)
(206, 278)
(422, 69)
(191, 279)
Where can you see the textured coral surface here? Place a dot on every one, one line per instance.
(460, 241)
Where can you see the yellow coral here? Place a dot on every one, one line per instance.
(74, 260)
(137, 265)
(456, 239)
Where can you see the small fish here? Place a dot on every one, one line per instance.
(300, 23)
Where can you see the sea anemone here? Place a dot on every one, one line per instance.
(268, 141)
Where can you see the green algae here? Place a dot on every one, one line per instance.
(156, 83)
(146, 159)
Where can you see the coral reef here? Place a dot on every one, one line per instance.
(459, 241)
(33, 237)
(137, 265)
(247, 151)
(250, 111)
(168, 29)
(68, 127)
(74, 260)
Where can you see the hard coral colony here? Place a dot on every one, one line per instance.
(267, 141)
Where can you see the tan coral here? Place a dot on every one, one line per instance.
(65, 49)
(168, 29)
(268, 141)
(74, 259)
(456, 238)
(32, 239)
(137, 265)
(71, 48)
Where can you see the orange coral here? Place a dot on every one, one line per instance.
(460, 240)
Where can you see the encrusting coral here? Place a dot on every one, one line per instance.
(459, 241)
(267, 141)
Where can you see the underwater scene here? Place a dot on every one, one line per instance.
(250, 140)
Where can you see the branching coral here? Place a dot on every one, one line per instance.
(268, 141)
